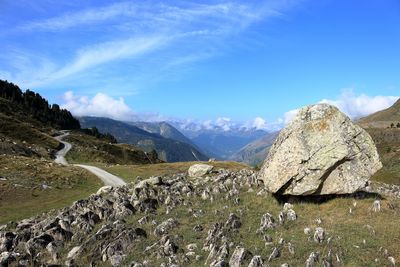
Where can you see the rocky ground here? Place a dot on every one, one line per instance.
(223, 219)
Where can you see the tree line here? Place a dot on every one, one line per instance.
(393, 126)
(38, 107)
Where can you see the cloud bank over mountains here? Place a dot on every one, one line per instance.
(103, 105)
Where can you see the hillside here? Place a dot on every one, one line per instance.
(387, 141)
(227, 219)
(255, 152)
(36, 107)
(30, 180)
(167, 149)
(163, 129)
(383, 118)
(89, 149)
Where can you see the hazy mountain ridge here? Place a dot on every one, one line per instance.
(255, 152)
(168, 149)
(219, 141)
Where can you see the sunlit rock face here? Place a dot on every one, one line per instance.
(321, 151)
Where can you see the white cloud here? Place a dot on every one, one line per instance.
(224, 123)
(353, 105)
(101, 105)
(258, 123)
(289, 116)
(356, 106)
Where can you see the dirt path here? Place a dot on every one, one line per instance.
(106, 177)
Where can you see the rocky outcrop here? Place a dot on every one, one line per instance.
(100, 228)
(320, 152)
(199, 170)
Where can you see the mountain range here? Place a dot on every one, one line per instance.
(220, 142)
(171, 146)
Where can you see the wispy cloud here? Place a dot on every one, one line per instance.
(106, 52)
(80, 18)
(183, 32)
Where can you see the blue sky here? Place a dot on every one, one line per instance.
(252, 62)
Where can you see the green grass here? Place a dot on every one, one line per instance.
(88, 149)
(348, 230)
(130, 172)
(22, 195)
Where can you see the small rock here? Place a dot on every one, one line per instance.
(376, 206)
(392, 261)
(319, 235)
(165, 226)
(275, 254)
(307, 230)
(74, 252)
(104, 190)
(239, 255)
(312, 259)
(199, 170)
(256, 261)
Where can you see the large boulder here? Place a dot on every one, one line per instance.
(320, 152)
(199, 170)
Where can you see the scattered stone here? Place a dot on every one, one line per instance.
(392, 260)
(307, 230)
(290, 248)
(319, 235)
(164, 227)
(199, 170)
(74, 252)
(312, 259)
(256, 261)
(267, 222)
(275, 254)
(192, 246)
(233, 222)
(240, 254)
(376, 206)
(198, 228)
(104, 190)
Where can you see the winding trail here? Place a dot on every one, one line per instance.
(106, 177)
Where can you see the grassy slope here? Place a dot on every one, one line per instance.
(391, 114)
(352, 239)
(348, 230)
(131, 172)
(388, 144)
(22, 194)
(88, 149)
(24, 136)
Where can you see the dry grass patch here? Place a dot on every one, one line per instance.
(30, 186)
(131, 172)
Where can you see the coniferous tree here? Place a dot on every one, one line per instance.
(38, 107)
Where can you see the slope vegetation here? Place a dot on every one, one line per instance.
(383, 118)
(382, 126)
